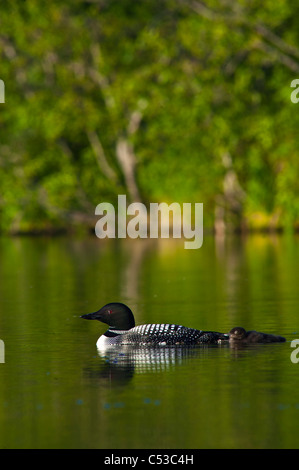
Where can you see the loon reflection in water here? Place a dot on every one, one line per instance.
(119, 364)
(152, 359)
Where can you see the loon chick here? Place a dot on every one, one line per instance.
(239, 335)
(122, 330)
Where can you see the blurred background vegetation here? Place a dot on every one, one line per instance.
(170, 100)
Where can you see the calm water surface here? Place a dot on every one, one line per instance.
(56, 391)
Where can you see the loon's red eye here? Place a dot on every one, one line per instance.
(109, 311)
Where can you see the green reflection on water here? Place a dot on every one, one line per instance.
(57, 392)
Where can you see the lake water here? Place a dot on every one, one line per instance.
(56, 391)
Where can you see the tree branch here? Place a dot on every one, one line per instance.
(100, 156)
(127, 161)
(270, 43)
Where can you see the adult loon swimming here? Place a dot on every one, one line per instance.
(240, 336)
(122, 330)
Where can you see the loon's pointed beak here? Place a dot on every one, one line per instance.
(91, 316)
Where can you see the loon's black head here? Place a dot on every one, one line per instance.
(237, 333)
(115, 314)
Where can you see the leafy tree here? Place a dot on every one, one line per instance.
(177, 100)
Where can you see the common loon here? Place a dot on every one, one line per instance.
(238, 336)
(122, 330)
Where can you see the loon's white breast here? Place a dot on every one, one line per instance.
(106, 341)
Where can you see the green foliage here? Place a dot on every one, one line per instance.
(185, 84)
